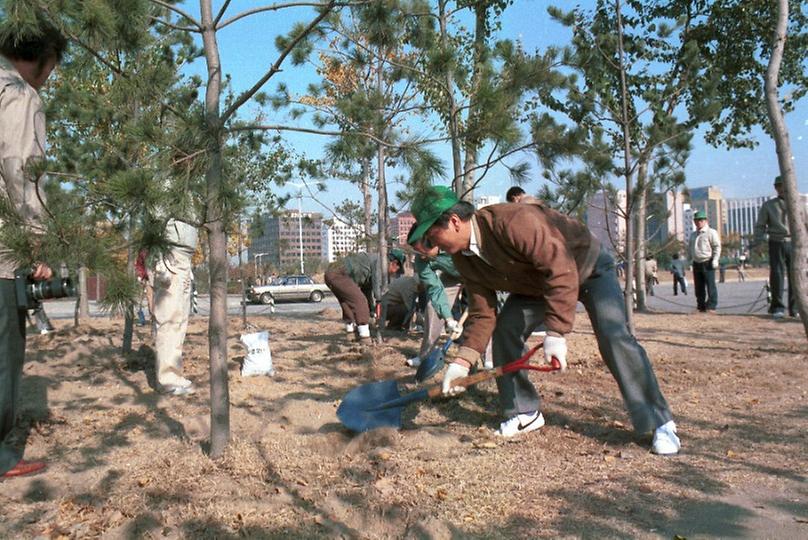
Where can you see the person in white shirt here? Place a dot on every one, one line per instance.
(26, 62)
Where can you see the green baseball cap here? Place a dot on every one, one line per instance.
(397, 254)
(699, 215)
(778, 180)
(427, 208)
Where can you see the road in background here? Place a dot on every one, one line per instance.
(733, 298)
(64, 307)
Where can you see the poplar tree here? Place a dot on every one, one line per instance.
(631, 73)
(757, 78)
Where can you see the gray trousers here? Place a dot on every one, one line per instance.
(12, 355)
(625, 358)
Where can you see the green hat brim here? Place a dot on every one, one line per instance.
(425, 221)
(418, 231)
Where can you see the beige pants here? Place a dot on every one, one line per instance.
(172, 305)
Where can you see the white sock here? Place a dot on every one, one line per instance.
(350, 327)
(364, 330)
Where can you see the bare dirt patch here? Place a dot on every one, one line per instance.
(127, 462)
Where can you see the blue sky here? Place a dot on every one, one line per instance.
(247, 49)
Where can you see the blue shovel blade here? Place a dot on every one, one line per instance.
(375, 405)
(432, 363)
(356, 410)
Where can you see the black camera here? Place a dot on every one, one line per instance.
(30, 293)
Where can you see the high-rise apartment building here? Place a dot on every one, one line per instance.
(281, 238)
(606, 222)
(710, 201)
(666, 217)
(400, 226)
(741, 217)
(689, 226)
(487, 200)
(339, 239)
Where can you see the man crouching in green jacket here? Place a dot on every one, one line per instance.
(548, 262)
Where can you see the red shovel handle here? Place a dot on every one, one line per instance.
(523, 362)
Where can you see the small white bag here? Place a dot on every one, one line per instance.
(258, 360)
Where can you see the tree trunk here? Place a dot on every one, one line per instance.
(454, 135)
(472, 142)
(382, 187)
(642, 210)
(241, 277)
(367, 204)
(83, 300)
(798, 278)
(629, 292)
(217, 243)
(129, 314)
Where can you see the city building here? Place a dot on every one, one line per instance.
(279, 241)
(666, 218)
(606, 222)
(399, 227)
(339, 238)
(689, 226)
(487, 200)
(710, 201)
(742, 215)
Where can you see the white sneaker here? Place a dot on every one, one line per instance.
(182, 387)
(666, 443)
(521, 423)
(415, 361)
(779, 314)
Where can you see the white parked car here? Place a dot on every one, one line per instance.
(300, 288)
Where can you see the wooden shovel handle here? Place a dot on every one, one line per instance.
(480, 376)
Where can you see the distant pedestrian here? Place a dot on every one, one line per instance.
(705, 250)
(678, 273)
(741, 268)
(651, 268)
(772, 220)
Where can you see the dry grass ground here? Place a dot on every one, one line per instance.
(126, 462)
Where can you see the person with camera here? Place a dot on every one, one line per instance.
(26, 62)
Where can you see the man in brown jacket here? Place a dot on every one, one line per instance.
(548, 262)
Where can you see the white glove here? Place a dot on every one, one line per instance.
(454, 329)
(715, 265)
(556, 347)
(454, 371)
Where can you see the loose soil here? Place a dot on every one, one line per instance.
(126, 462)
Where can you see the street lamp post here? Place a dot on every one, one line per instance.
(300, 227)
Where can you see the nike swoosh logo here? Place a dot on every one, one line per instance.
(525, 426)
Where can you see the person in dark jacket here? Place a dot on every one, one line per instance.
(354, 280)
(772, 221)
(548, 262)
(678, 272)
